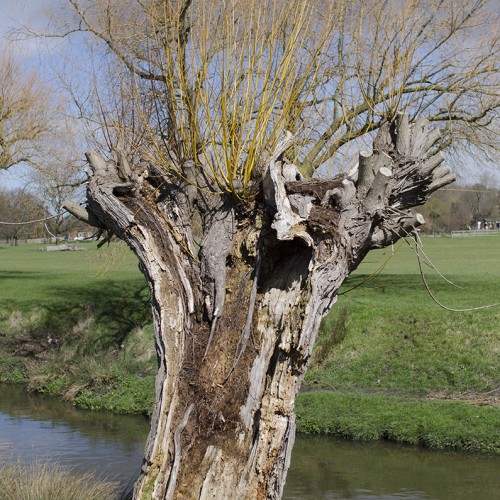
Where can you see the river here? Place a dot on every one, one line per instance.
(35, 428)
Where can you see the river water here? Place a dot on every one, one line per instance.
(34, 428)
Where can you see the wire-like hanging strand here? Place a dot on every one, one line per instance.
(424, 281)
(427, 261)
(372, 276)
(31, 221)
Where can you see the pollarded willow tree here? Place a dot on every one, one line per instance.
(229, 109)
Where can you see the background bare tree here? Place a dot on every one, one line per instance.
(25, 111)
(35, 132)
(17, 207)
(427, 57)
(220, 111)
(57, 174)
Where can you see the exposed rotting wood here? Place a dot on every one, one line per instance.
(314, 188)
(286, 222)
(235, 322)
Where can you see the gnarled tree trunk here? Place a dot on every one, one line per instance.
(236, 321)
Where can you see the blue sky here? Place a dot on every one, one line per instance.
(16, 14)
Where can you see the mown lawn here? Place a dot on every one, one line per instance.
(30, 276)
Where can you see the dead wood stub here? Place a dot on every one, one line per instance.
(317, 189)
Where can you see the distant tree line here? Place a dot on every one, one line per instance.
(465, 206)
(462, 206)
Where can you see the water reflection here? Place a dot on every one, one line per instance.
(324, 468)
(33, 428)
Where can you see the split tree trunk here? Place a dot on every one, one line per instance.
(235, 323)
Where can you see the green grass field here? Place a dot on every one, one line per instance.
(397, 339)
(77, 325)
(66, 279)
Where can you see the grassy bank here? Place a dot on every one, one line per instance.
(395, 338)
(434, 424)
(77, 325)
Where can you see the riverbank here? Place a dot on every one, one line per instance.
(433, 424)
(391, 364)
(77, 326)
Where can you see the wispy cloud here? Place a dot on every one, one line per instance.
(17, 17)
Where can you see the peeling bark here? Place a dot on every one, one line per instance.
(236, 322)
